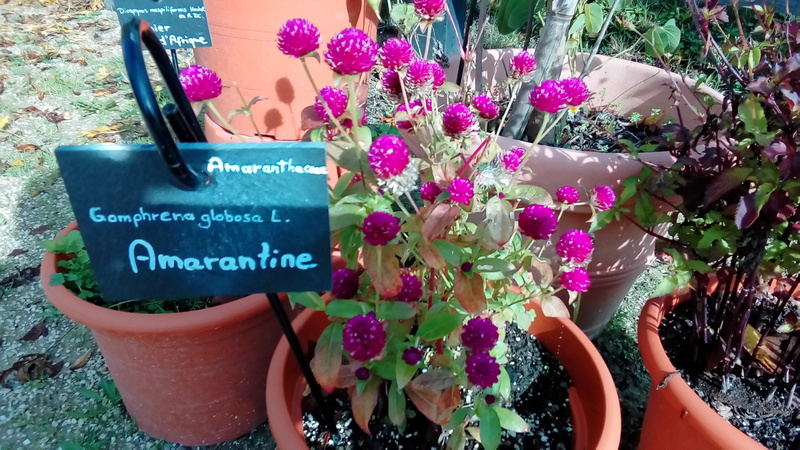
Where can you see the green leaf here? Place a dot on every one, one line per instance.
(661, 40)
(437, 326)
(88, 393)
(752, 114)
(644, 210)
(602, 218)
(308, 299)
(404, 372)
(710, 236)
(667, 285)
(594, 18)
(504, 383)
(459, 417)
(57, 279)
(532, 194)
(513, 14)
(494, 265)
(344, 215)
(510, 420)
(457, 440)
(490, 428)
(394, 310)
(346, 308)
(452, 253)
(376, 6)
(328, 356)
(397, 406)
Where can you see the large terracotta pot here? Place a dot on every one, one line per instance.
(244, 37)
(195, 378)
(676, 417)
(593, 396)
(622, 250)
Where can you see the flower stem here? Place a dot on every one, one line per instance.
(222, 119)
(325, 105)
(247, 112)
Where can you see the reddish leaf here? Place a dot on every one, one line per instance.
(439, 218)
(726, 181)
(364, 403)
(17, 252)
(469, 291)
(435, 394)
(542, 271)
(28, 148)
(39, 230)
(432, 257)
(554, 307)
(81, 361)
(384, 269)
(328, 356)
(37, 331)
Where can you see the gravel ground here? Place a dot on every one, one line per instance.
(62, 82)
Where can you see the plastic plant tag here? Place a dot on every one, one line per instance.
(177, 23)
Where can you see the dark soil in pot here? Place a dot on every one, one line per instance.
(600, 130)
(744, 402)
(538, 394)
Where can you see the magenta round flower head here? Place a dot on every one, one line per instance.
(379, 228)
(336, 100)
(479, 335)
(512, 158)
(522, 65)
(419, 75)
(576, 91)
(458, 121)
(568, 195)
(430, 191)
(351, 51)
(575, 247)
(439, 77)
(390, 83)
(576, 280)
(412, 356)
(388, 156)
(298, 37)
(411, 291)
(345, 284)
(396, 54)
(200, 83)
(537, 222)
(461, 190)
(430, 10)
(548, 96)
(487, 109)
(482, 370)
(603, 197)
(364, 337)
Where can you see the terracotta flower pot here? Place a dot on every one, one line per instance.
(195, 378)
(622, 250)
(676, 417)
(593, 396)
(244, 37)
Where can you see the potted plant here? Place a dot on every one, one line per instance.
(422, 323)
(735, 242)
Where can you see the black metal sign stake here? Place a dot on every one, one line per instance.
(174, 55)
(185, 126)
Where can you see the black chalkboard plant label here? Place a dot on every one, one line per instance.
(261, 225)
(177, 23)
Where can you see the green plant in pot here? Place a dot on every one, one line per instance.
(734, 240)
(443, 250)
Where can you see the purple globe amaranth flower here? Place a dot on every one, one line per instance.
(200, 83)
(439, 76)
(548, 96)
(576, 91)
(487, 109)
(522, 65)
(603, 197)
(413, 111)
(351, 51)
(512, 158)
(482, 370)
(458, 121)
(298, 37)
(390, 83)
(575, 247)
(362, 373)
(379, 228)
(345, 283)
(430, 10)
(364, 337)
(568, 195)
(411, 291)
(336, 100)
(396, 54)
(479, 335)
(576, 280)
(461, 190)
(412, 356)
(388, 156)
(537, 222)
(419, 75)
(429, 191)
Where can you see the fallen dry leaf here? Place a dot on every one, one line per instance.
(3, 122)
(28, 148)
(2, 85)
(17, 252)
(103, 73)
(16, 163)
(102, 130)
(81, 361)
(39, 230)
(55, 117)
(31, 367)
(81, 62)
(37, 331)
(21, 277)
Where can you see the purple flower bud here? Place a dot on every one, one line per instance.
(458, 121)
(396, 54)
(411, 291)
(345, 284)
(429, 191)
(479, 335)
(576, 91)
(512, 158)
(362, 373)
(200, 83)
(430, 10)
(388, 156)
(489, 399)
(461, 191)
(364, 337)
(522, 65)
(298, 37)
(379, 228)
(575, 247)
(467, 267)
(336, 100)
(567, 195)
(487, 109)
(548, 96)
(576, 280)
(538, 222)
(603, 197)
(412, 356)
(482, 370)
(351, 51)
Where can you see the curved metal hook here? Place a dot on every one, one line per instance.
(135, 33)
